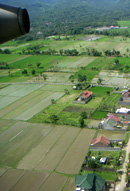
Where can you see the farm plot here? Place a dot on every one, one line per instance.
(11, 132)
(118, 81)
(93, 123)
(2, 171)
(18, 103)
(14, 180)
(57, 77)
(31, 181)
(38, 97)
(54, 182)
(10, 178)
(4, 124)
(25, 90)
(18, 139)
(75, 62)
(10, 57)
(72, 161)
(56, 88)
(31, 160)
(58, 151)
(14, 93)
(112, 79)
(39, 106)
(70, 184)
(7, 100)
(112, 135)
(10, 89)
(45, 61)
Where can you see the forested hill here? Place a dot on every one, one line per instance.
(72, 16)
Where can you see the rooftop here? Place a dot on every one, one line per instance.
(89, 181)
(114, 117)
(87, 93)
(102, 139)
(126, 94)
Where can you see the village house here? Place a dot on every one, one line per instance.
(125, 98)
(110, 122)
(90, 182)
(100, 142)
(84, 97)
(123, 110)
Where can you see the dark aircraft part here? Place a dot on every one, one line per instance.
(14, 22)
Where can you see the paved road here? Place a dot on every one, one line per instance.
(122, 184)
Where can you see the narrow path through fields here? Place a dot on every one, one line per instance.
(57, 83)
(19, 59)
(122, 184)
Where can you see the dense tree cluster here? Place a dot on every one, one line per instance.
(5, 51)
(4, 65)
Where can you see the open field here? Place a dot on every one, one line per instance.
(56, 87)
(75, 62)
(58, 151)
(34, 157)
(112, 135)
(54, 181)
(70, 184)
(21, 102)
(31, 181)
(13, 93)
(57, 77)
(20, 138)
(75, 155)
(44, 147)
(18, 103)
(124, 23)
(10, 178)
(112, 78)
(14, 180)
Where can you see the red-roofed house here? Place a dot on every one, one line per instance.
(85, 97)
(114, 118)
(125, 98)
(100, 142)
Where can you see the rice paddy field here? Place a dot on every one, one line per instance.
(112, 135)
(21, 102)
(14, 179)
(37, 150)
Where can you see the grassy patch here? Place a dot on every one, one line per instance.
(108, 176)
(99, 91)
(124, 23)
(112, 135)
(99, 115)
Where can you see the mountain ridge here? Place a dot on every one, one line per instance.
(59, 16)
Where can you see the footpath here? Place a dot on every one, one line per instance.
(122, 184)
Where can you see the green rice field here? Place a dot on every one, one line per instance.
(44, 148)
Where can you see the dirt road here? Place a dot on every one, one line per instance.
(122, 184)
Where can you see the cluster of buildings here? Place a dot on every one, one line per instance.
(118, 120)
(110, 28)
(111, 121)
